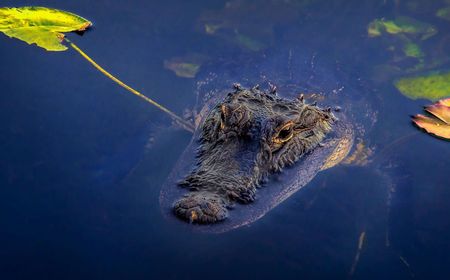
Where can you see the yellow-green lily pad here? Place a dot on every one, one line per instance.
(40, 25)
(433, 86)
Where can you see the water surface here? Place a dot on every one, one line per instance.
(82, 162)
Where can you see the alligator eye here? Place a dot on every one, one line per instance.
(284, 134)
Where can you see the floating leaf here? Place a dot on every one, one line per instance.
(444, 13)
(41, 26)
(45, 26)
(439, 123)
(445, 102)
(433, 86)
(440, 111)
(401, 24)
(432, 126)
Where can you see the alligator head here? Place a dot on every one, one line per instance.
(245, 138)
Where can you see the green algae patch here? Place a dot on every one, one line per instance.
(401, 25)
(432, 87)
(444, 13)
(413, 50)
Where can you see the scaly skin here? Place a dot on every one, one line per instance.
(244, 139)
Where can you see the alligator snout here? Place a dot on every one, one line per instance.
(201, 207)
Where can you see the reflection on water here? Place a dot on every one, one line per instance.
(82, 162)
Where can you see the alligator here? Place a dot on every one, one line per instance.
(246, 137)
(253, 148)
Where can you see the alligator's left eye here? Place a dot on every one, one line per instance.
(284, 133)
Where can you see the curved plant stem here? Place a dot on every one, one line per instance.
(183, 123)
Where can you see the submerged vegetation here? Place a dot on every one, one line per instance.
(444, 13)
(186, 66)
(250, 25)
(415, 71)
(401, 25)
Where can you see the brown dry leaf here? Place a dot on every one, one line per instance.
(439, 122)
(445, 102)
(433, 125)
(440, 111)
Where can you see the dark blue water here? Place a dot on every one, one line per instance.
(82, 161)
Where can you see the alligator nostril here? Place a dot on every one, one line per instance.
(193, 216)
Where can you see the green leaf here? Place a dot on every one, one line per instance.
(41, 26)
(433, 86)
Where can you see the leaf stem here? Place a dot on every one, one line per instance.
(183, 123)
